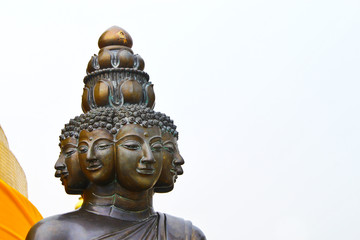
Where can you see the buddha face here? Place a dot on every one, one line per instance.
(172, 162)
(96, 155)
(138, 157)
(68, 167)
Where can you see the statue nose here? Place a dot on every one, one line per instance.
(60, 163)
(179, 160)
(148, 157)
(90, 155)
(148, 160)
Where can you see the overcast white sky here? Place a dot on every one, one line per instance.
(265, 95)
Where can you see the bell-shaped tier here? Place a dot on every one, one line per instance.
(115, 76)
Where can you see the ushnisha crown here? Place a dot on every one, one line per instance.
(115, 76)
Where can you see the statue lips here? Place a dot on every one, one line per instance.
(63, 176)
(146, 171)
(94, 164)
(173, 170)
(146, 167)
(58, 173)
(146, 164)
(174, 173)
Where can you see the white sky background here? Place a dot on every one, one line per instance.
(265, 95)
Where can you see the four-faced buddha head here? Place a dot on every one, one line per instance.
(132, 145)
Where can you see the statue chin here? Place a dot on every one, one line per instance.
(117, 155)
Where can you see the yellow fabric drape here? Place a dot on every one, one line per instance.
(17, 214)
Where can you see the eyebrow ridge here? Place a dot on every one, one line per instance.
(69, 144)
(151, 139)
(96, 140)
(129, 135)
(168, 141)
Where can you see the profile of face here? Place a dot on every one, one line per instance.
(96, 156)
(178, 159)
(68, 167)
(172, 161)
(138, 157)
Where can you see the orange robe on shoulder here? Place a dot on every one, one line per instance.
(17, 214)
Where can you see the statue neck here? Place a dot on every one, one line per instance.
(115, 201)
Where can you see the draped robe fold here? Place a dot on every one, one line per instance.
(158, 227)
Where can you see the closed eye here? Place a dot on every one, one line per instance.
(169, 149)
(156, 147)
(82, 149)
(131, 145)
(103, 146)
(69, 153)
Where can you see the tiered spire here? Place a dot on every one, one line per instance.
(115, 76)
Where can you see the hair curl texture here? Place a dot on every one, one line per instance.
(113, 119)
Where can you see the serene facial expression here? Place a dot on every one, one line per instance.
(96, 155)
(172, 162)
(68, 167)
(138, 157)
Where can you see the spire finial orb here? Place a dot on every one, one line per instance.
(115, 36)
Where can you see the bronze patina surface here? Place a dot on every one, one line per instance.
(117, 155)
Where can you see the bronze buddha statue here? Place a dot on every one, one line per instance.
(117, 154)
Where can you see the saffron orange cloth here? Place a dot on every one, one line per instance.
(17, 214)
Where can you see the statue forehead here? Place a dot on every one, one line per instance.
(141, 131)
(69, 140)
(166, 136)
(95, 134)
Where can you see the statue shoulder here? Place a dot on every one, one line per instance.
(197, 234)
(47, 228)
(178, 228)
(57, 227)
